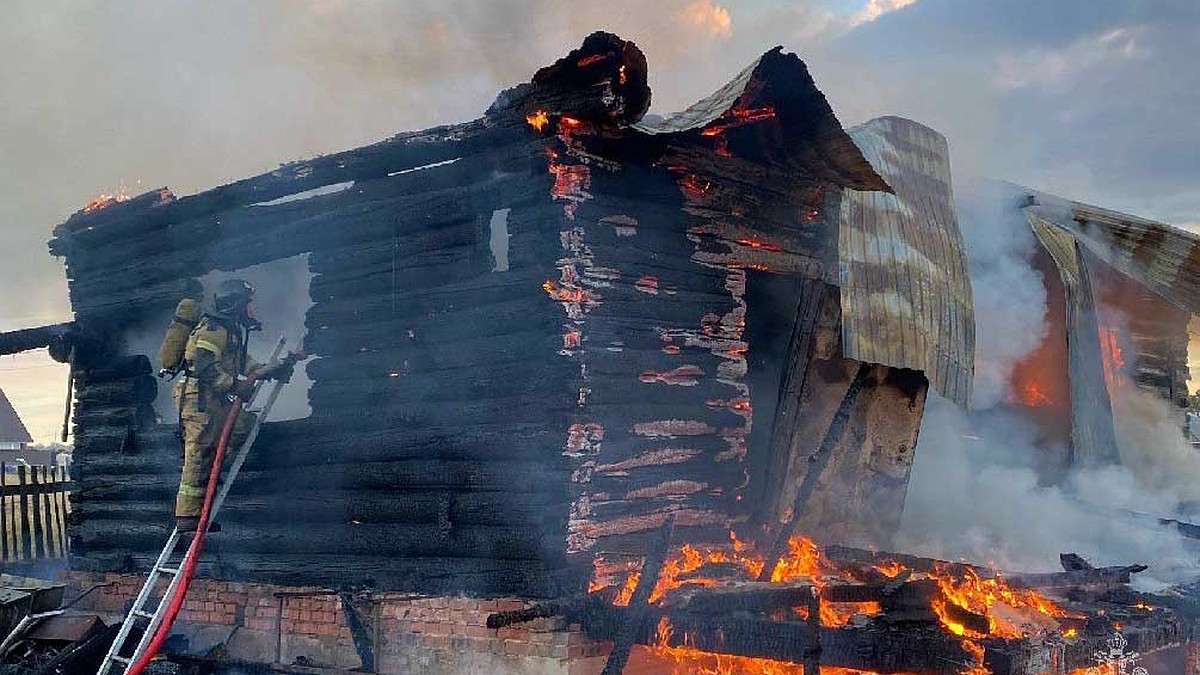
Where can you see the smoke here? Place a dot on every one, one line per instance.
(976, 491)
(1150, 441)
(1009, 295)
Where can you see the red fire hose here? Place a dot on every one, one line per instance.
(193, 553)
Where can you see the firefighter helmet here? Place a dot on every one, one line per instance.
(232, 297)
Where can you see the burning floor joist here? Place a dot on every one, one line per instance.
(845, 610)
(587, 388)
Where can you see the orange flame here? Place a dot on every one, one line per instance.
(981, 595)
(754, 242)
(1114, 361)
(688, 660)
(1030, 394)
(737, 117)
(105, 200)
(538, 119)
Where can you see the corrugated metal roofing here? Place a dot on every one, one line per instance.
(1093, 439)
(1166, 259)
(905, 293)
(12, 429)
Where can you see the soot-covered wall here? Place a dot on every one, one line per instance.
(535, 334)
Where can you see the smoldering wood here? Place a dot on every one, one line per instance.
(817, 464)
(639, 602)
(848, 554)
(876, 647)
(747, 597)
(573, 607)
(1073, 579)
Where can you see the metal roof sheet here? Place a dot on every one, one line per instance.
(905, 293)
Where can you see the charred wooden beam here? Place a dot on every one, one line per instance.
(817, 464)
(850, 555)
(27, 339)
(748, 597)
(876, 647)
(639, 603)
(1073, 579)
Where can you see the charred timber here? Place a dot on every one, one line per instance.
(873, 648)
(1103, 576)
(125, 391)
(639, 602)
(479, 576)
(428, 540)
(26, 339)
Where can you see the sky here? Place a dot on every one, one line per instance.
(1097, 100)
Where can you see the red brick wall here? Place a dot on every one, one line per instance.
(260, 623)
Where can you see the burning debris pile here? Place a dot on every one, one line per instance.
(839, 610)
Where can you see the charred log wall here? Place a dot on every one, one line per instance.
(426, 461)
(475, 424)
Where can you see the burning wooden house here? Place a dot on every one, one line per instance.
(545, 340)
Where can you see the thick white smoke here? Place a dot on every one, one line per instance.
(975, 491)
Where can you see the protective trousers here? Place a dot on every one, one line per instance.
(201, 433)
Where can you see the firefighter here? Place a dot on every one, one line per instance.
(216, 369)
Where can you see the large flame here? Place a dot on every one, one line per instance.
(1010, 612)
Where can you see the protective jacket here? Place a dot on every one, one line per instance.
(215, 359)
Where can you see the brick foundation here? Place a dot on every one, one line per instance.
(266, 624)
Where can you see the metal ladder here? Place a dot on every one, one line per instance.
(164, 565)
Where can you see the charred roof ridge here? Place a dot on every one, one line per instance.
(603, 81)
(780, 82)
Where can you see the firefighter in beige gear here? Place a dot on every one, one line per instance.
(216, 370)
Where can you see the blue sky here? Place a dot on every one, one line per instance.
(1094, 99)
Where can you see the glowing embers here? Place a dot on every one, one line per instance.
(757, 242)
(105, 200)
(1114, 360)
(1031, 395)
(694, 187)
(564, 294)
(737, 117)
(540, 119)
(571, 183)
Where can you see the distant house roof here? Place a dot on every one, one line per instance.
(12, 429)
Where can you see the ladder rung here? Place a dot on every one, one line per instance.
(144, 615)
(121, 660)
(168, 570)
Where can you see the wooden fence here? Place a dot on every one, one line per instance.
(34, 506)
